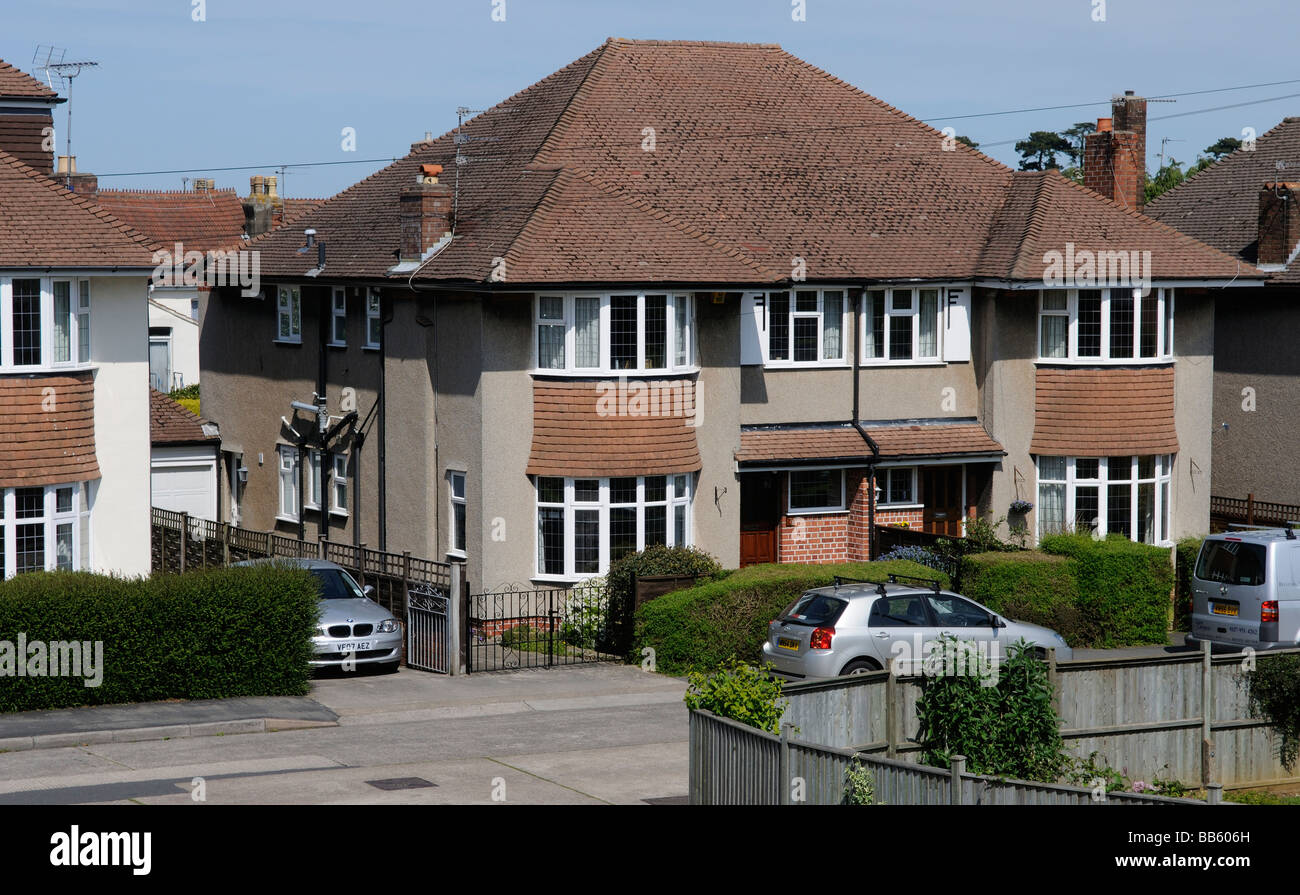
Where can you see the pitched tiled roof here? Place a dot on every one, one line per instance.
(1098, 413)
(14, 82)
(47, 437)
(170, 423)
(654, 161)
(201, 220)
(776, 444)
(582, 429)
(1220, 205)
(42, 224)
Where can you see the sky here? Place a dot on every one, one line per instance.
(201, 85)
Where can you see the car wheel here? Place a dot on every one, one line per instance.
(859, 666)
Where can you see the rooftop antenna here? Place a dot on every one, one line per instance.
(460, 138)
(64, 72)
(1163, 141)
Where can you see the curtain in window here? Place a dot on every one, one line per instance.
(929, 323)
(586, 326)
(832, 325)
(1051, 508)
(1055, 336)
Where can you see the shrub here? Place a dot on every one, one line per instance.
(1124, 586)
(917, 555)
(534, 639)
(620, 583)
(1032, 587)
(1274, 688)
(586, 615)
(1008, 729)
(859, 783)
(203, 635)
(700, 628)
(740, 692)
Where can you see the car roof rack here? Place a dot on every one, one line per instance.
(1288, 528)
(841, 579)
(932, 583)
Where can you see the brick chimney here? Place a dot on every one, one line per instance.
(204, 183)
(1279, 223)
(263, 209)
(82, 183)
(426, 213)
(1114, 158)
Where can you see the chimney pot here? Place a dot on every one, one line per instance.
(1104, 125)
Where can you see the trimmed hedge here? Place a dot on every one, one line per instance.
(1106, 593)
(701, 628)
(1032, 586)
(620, 586)
(1185, 557)
(204, 635)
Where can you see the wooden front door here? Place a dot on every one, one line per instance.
(941, 494)
(760, 517)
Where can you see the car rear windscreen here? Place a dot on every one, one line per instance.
(1232, 562)
(334, 586)
(814, 609)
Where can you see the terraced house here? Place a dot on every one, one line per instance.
(74, 386)
(705, 293)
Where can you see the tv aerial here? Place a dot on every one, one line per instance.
(51, 61)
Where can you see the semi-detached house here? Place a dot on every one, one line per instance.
(706, 293)
(74, 388)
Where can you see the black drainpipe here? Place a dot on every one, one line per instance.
(322, 376)
(385, 317)
(857, 424)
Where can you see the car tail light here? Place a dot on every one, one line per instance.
(821, 638)
(1268, 611)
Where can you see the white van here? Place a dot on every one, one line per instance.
(1246, 590)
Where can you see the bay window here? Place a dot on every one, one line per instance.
(1128, 495)
(1101, 325)
(806, 327)
(584, 524)
(44, 528)
(44, 322)
(622, 333)
(900, 325)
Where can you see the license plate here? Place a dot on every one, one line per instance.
(1224, 609)
(787, 643)
(354, 647)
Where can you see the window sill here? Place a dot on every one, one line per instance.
(561, 579)
(817, 511)
(294, 342)
(336, 344)
(456, 554)
(51, 369)
(290, 519)
(595, 373)
(928, 362)
(809, 365)
(370, 347)
(342, 514)
(899, 506)
(1104, 362)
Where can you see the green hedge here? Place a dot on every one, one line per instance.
(1106, 593)
(701, 628)
(203, 635)
(1031, 586)
(1187, 551)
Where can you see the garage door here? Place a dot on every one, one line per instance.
(186, 489)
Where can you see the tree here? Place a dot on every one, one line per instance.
(1223, 146)
(961, 138)
(1076, 134)
(1165, 179)
(1038, 153)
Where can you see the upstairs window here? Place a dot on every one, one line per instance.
(620, 333)
(374, 318)
(289, 314)
(44, 322)
(806, 327)
(900, 326)
(1106, 325)
(339, 318)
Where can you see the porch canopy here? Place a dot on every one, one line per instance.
(835, 444)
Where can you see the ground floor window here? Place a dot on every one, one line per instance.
(1126, 495)
(583, 524)
(44, 528)
(897, 486)
(816, 491)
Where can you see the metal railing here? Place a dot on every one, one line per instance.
(531, 627)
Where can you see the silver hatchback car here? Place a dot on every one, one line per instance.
(855, 627)
(354, 629)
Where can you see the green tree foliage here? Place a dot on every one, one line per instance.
(1039, 151)
(1274, 687)
(1074, 135)
(1223, 146)
(961, 138)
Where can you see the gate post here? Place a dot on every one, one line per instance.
(455, 608)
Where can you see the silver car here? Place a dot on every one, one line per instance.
(859, 627)
(354, 629)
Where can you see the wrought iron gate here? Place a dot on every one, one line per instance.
(428, 630)
(538, 628)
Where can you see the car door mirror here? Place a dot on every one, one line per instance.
(996, 622)
(369, 591)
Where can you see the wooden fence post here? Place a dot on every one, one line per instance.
(784, 764)
(958, 769)
(269, 552)
(320, 545)
(1250, 509)
(891, 717)
(1207, 715)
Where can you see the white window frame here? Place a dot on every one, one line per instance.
(50, 519)
(374, 312)
(603, 367)
(820, 315)
(338, 317)
(1161, 481)
(339, 486)
(884, 478)
(603, 505)
(286, 297)
(288, 479)
(865, 326)
(1165, 301)
(78, 323)
(791, 510)
(454, 501)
